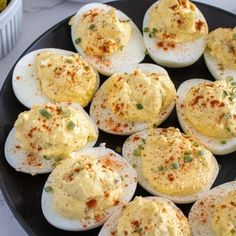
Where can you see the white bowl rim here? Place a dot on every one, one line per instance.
(10, 6)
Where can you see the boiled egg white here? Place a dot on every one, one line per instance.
(23, 161)
(25, 82)
(107, 121)
(218, 146)
(111, 225)
(202, 211)
(114, 162)
(132, 151)
(174, 55)
(132, 53)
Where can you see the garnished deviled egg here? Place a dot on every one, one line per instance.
(174, 33)
(46, 134)
(86, 188)
(214, 214)
(147, 216)
(54, 75)
(207, 110)
(133, 100)
(107, 38)
(171, 164)
(220, 53)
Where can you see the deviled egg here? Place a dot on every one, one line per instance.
(207, 110)
(54, 75)
(86, 188)
(47, 134)
(147, 216)
(174, 33)
(171, 164)
(220, 53)
(214, 214)
(133, 100)
(106, 38)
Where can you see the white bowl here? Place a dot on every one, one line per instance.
(10, 26)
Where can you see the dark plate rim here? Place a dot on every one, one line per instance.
(18, 217)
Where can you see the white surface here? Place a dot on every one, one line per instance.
(38, 17)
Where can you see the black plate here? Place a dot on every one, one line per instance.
(22, 191)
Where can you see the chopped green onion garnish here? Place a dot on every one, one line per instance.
(233, 83)
(154, 30)
(91, 27)
(161, 168)
(201, 152)
(71, 125)
(46, 157)
(229, 78)
(69, 61)
(118, 149)
(175, 165)
(140, 147)
(121, 47)
(48, 189)
(146, 29)
(139, 106)
(225, 94)
(228, 129)
(195, 144)
(144, 140)
(66, 113)
(134, 165)
(187, 152)
(223, 142)
(136, 152)
(45, 113)
(187, 159)
(138, 230)
(78, 40)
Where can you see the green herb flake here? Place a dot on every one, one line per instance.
(201, 153)
(121, 47)
(78, 40)
(92, 26)
(136, 152)
(138, 230)
(143, 140)
(69, 61)
(225, 94)
(233, 83)
(187, 152)
(229, 78)
(146, 29)
(70, 125)
(228, 129)
(175, 165)
(46, 157)
(134, 165)
(161, 168)
(48, 189)
(195, 144)
(188, 159)
(45, 113)
(234, 36)
(140, 147)
(223, 142)
(154, 30)
(66, 113)
(139, 106)
(118, 149)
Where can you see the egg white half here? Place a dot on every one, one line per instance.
(107, 121)
(25, 81)
(132, 143)
(17, 157)
(131, 54)
(202, 211)
(182, 55)
(112, 222)
(213, 144)
(217, 71)
(129, 184)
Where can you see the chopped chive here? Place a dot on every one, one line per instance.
(187, 152)
(45, 113)
(187, 159)
(86, 67)
(144, 140)
(48, 189)
(175, 165)
(139, 106)
(71, 125)
(69, 61)
(233, 83)
(223, 142)
(118, 149)
(195, 144)
(78, 40)
(134, 165)
(136, 152)
(201, 152)
(66, 113)
(140, 147)
(146, 29)
(228, 129)
(234, 36)
(138, 230)
(121, 47)
(91, 27)
(225, 94)
(46, 157)
(229, 78)
(154, 30)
